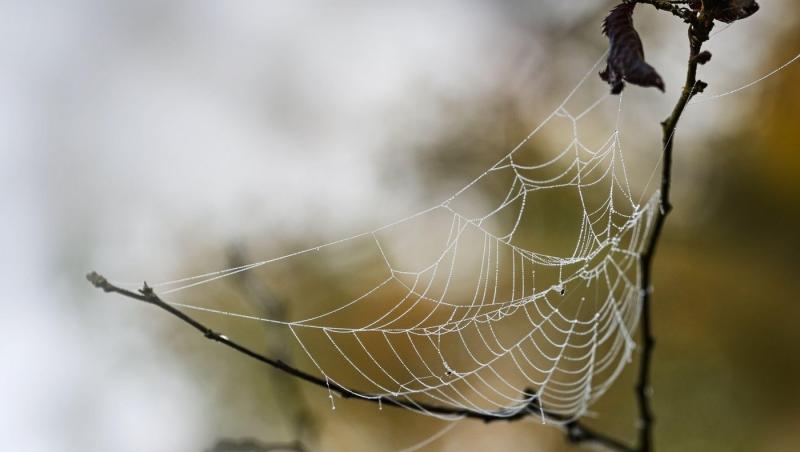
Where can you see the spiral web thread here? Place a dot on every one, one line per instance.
(482, 322)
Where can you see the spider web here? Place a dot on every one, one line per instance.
(520, 292)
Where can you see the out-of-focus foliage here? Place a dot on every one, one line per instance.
(774, 129)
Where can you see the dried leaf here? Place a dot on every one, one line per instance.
(729, 10)
(626, 57)
(736, 10)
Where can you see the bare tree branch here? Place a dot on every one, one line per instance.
(576, 432)
(699, 30)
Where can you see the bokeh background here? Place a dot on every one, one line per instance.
(158, 139)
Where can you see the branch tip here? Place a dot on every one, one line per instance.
(99, 281)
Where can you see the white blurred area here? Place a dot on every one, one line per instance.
(130, 130)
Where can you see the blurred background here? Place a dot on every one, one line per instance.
(162, 139)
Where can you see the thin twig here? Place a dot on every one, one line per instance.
(698, 33)
(576, 432)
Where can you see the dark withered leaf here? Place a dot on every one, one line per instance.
(728, 10)
(626, 55)
(736, 10)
